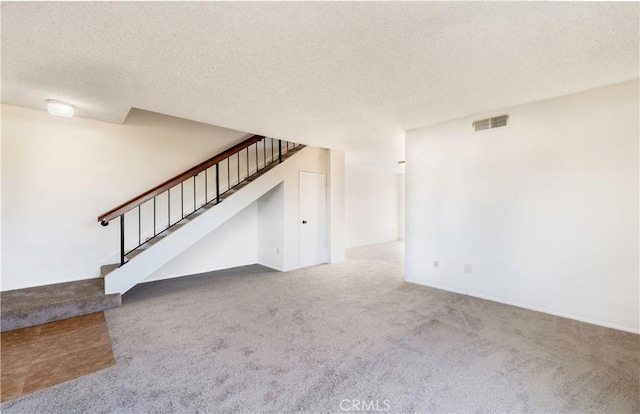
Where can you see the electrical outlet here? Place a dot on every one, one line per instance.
(467, 268)
(436, 265)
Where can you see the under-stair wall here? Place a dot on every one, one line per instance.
(264, 232)
(240, 248)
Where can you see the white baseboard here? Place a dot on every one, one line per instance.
(533, 308)
(269, 267)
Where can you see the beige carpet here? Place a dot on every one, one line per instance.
(314, 340)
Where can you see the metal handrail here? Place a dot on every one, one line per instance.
(172, 182)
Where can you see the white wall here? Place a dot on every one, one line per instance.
(271, 228)
(1, 203)
(373, 206)
(545, 210)
(59, 174)
(402, 206)
(233, 244)
(337, 208)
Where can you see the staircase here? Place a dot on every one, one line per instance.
(153, 225)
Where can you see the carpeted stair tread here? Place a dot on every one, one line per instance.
(106, 269)
(22, 308)
(133, 254)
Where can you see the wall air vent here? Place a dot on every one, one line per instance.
(490, 123)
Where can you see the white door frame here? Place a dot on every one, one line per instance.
(326, 221)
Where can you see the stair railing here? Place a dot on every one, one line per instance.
(152, 210)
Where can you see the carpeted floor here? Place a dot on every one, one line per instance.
(252, 340)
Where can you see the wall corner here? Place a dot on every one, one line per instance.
(336, 201)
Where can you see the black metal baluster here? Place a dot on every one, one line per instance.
(271, 151)
(168, 208)
(238, 160)
(217, 183)
(279, 150)
(256, 158)
(154, 217)
(182, 198)
(206, 185)
(122, 240)
(264, 152)
(228, 175)
(247, 162)
(194, 192)
(139, 226)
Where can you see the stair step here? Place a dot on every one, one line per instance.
(150, 242)
(176, 227)
(268, 167)
(106, 269)
(133, 254)
(22, 308)
(204, 207)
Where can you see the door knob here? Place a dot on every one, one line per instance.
(304, 221)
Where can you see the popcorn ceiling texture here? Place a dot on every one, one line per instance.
(252, 340)
(340, 75)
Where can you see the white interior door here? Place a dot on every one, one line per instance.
(313, 218)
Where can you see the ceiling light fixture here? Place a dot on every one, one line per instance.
(59, 108)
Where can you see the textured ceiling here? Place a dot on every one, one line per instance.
(345, 75)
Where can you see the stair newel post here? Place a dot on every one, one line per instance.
(279, 150)
(122, 240)
(217, 183)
